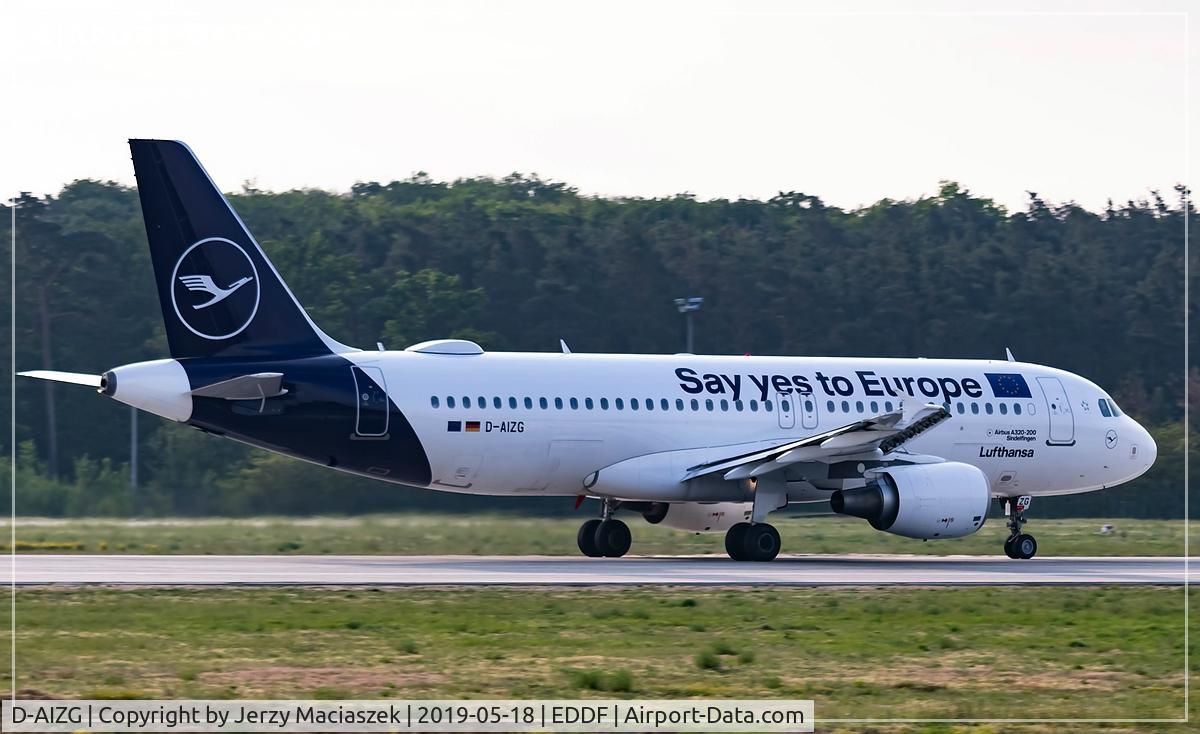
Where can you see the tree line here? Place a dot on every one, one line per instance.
(520, 262)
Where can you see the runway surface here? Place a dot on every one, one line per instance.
(865, 570)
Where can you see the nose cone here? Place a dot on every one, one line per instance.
(1150, 450)
(1141, 452)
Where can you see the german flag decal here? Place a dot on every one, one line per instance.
(472, 426)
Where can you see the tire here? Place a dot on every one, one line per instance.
(735, 541)
(657, 512)
(613, 538)
(1025, 546)
(587, 539)
(1008, 548)
(762, 542)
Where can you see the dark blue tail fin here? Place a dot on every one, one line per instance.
(220, 295)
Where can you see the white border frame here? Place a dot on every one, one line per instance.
(1187, 203)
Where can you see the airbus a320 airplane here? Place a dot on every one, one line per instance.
(917, 447)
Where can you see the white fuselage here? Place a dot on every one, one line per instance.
(547, 422)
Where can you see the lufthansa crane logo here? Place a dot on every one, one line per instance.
(214, 288)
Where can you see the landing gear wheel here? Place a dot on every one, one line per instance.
(1024, 546)
(612, 538)
(735, 541)
(1019, 545)
(587, 539)
(761, 542)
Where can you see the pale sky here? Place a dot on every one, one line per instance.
(720, 99)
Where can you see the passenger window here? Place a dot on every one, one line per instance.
(808, 404)
(587, 403)
(961, 408)
(497, 403)
(574, 404)
(988, 407)
(1016, 408)
(829, 406)
(543, 403)
(679, 404)
(649, 403)
(708, 404)
(433, 400)
(1104, 411)
(603, 403)
(845, 406)
(858, 406)
(528, 403)
(664, 404)
(512, 402)
(466, 401)
(482, 402)
(887, 405)
(785, 405)
(558, 403)
(450, 401)
(767, 406)
(633, 403)
(695, 404)
(1003, 408)
(874, 407)
(724, 405)
(738, 405)
(975, 408)
(619, 403)
(753, 406)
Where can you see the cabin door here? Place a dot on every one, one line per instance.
(1062, 421)
(371, 391)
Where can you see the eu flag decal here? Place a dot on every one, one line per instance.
(454, 426)
(1008, 385)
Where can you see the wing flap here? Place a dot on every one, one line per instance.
(884, 433)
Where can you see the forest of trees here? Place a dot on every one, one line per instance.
(519, 263)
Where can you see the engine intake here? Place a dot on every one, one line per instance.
(948, 500)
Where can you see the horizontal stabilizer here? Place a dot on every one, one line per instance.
(246, 387)
(75, 378)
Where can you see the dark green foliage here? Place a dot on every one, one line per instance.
(520, 262)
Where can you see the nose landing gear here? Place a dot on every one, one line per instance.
(1019, 545)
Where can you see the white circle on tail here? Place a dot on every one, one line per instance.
(215, 289)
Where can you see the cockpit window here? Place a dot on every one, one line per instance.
(1115, 410)
(1104, 411)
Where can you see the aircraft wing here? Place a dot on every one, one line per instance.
(885, 433)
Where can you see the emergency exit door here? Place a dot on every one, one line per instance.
(786, 409)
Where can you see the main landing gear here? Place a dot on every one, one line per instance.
(757, 542)
(604, 537)
(1019, 545)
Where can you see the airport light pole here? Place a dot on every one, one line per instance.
(687, 307)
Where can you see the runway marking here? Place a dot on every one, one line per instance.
(805, 570)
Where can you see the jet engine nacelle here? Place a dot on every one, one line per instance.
(947, 500)
(699, 517)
